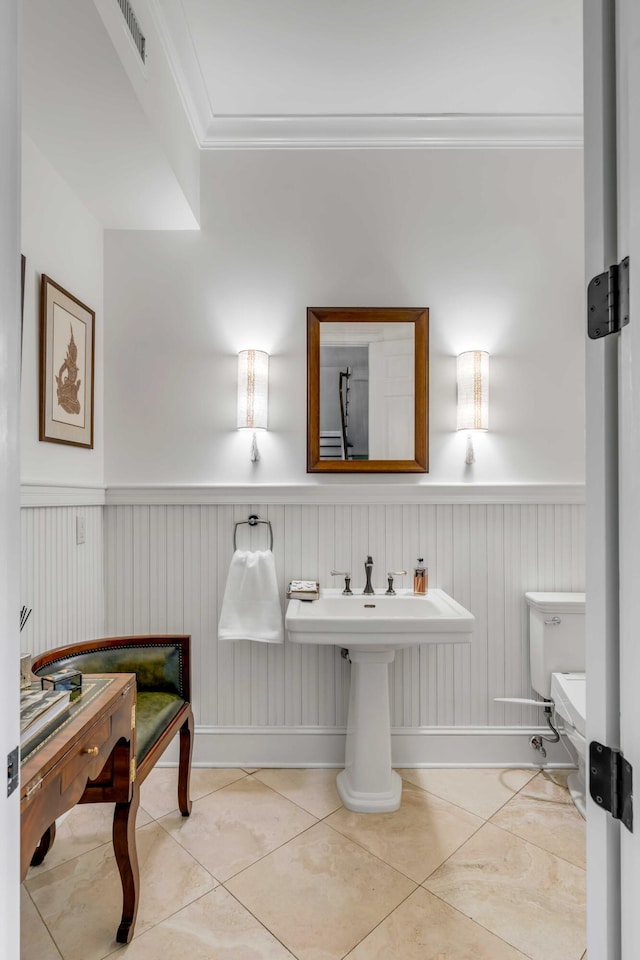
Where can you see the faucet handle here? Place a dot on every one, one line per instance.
(347, 581)
(390, 592)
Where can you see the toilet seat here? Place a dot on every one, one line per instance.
(569, 694)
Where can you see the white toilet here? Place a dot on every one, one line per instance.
(557, 658)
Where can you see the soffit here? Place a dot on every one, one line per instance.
(81, 109)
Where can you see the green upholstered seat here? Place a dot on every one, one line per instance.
(154, 713)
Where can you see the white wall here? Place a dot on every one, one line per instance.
(9, 466)
(62, 239)
(490, 241)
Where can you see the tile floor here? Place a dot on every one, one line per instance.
(476, 865)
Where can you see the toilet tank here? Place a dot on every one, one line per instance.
(556, 637)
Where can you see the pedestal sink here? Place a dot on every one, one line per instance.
(372, 628)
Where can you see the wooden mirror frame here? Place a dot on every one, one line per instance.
(420, 318)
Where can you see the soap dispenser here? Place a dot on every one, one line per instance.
(420, 578)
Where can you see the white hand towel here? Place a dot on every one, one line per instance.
(251, 604)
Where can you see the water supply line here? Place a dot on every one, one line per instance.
(537, 742)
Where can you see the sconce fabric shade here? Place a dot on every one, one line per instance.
(253, 389)
(473, 390)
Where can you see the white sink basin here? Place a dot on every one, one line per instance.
(372, 628)
(378, 620)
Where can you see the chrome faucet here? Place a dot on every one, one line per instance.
(368, 567)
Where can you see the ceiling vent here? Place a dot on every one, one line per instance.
(134, 28)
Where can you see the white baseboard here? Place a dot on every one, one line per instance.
(410, 747)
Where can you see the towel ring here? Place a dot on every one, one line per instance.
(252, 521)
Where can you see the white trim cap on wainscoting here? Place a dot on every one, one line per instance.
(358, 492)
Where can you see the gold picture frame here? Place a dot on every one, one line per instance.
(67, 357)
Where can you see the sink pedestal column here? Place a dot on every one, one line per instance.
(368, 784)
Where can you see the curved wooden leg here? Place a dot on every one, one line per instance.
(184, 768)
(45, 844)
(124, 845)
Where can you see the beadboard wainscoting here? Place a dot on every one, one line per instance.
(257, 704)
(61, 580)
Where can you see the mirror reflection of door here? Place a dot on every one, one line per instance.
(367, 391)
(391, 392)
(344, 402)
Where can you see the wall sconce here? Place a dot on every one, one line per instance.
(253, 393)
(473, 395)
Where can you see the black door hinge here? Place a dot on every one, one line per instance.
(608, 301)
(611, 782)
(13, 771)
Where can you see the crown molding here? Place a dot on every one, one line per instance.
(339, 132)
(171, 25)
(490, 131)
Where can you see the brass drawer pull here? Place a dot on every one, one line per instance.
(92, 751)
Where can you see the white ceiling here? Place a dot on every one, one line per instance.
(285, 74)
(249, 68)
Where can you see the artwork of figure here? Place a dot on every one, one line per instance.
(68, 386)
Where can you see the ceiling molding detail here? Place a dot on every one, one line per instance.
(355, 132)
(171, 24)
(394, 132)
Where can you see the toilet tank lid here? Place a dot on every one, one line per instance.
(556, 602)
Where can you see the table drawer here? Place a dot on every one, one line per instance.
(89, 746)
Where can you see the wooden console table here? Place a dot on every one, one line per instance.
(87, 757)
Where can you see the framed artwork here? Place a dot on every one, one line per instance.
(66, 367)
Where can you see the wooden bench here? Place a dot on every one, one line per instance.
(163, 700)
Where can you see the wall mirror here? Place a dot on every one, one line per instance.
(367, 390)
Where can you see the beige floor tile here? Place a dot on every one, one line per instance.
(216, 927)
(35, 939)
(425, 928)
(547, 781)
(525, 895)
(81, 900)
(313, 790)
(320, 894)
(159, 792)
(416, 838)
(237, 825)
(478, 790)
(544, 814)
(87, 826)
